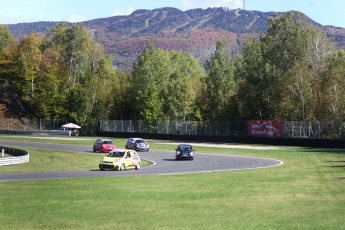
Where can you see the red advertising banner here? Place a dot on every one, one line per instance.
(266, 128)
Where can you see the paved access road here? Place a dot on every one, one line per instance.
(164, 163)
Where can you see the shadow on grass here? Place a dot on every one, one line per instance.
(334, 166)
(334, 161)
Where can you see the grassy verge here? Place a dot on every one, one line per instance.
(307, 192)
(42, 160)
(58, 140)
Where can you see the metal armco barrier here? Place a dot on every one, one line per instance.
(18, 156)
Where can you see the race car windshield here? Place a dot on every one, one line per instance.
(116, 154)
(184, 147)
(107, 142)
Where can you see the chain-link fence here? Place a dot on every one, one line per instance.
(292, 129)
(30, 124)
(313, 129)
(175, 127)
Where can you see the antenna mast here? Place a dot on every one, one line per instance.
(244, 4)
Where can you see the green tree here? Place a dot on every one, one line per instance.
(319, 49)
(121, 108)
(297, 103)
(30, 58)
(332, 88)
(49, 100)
(11, 80)
(149, 77)
(285, 44)
(253, 83)
(99, 93)
(75, 55)
(74, 46)
(280, 77)
(6, 39)
(184, 83)
(220, 83)
(6, 54)
(165, 85)
(285, 41)
(52, 96)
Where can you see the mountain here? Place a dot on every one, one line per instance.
(195, 31)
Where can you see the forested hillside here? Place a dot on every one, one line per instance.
(195, 31)
(293, 71)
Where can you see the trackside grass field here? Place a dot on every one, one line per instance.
(306, 192)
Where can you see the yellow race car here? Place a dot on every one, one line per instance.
(120, 159)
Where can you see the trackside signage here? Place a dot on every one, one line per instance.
(265, 128)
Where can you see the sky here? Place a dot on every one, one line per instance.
(325, 12)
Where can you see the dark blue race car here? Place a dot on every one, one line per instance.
(184, 151)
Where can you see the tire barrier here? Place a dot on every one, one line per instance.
(18, 156)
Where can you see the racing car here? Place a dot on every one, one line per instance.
(184, 151)
(120, 159)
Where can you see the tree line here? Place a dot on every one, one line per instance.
(291, 72)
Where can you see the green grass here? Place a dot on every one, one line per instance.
(59, 140)
(307, 192)
(42, 160)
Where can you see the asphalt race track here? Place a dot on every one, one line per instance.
(164, 163)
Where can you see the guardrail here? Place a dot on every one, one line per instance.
(18, 156)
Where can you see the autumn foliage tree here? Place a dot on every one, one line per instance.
(291, 72)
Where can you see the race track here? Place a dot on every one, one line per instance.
(164, 163)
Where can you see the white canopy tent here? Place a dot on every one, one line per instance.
(71, 126)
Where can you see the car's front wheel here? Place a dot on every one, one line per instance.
(100, 168)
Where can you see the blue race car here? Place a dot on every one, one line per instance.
(184, 151)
